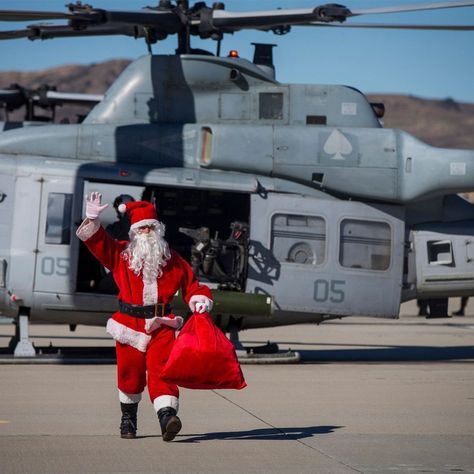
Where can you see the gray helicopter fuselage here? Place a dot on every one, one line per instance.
(163, 108)
(290, 154)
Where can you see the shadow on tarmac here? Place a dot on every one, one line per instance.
(351, 354)
(390, 354)
(266, 434)
(63, 355)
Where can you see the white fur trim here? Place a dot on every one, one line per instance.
(157, 321)
(152, 324)
(129, 397)
(122, 208)
(144, 222)
(175, 323)
(150, 292)
(87, 229)
(125, 335)
(164, 401)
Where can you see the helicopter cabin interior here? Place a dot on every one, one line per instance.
(200, 225)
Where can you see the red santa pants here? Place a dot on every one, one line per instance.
(133, 366)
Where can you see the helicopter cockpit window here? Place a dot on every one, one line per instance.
(58, 219)
(271, 106)
(365, 244)
(299, 239)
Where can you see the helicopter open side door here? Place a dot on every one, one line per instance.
(326, 257)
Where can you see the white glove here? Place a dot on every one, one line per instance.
(200, 304)
(93, 206)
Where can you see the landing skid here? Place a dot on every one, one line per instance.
(20, 341)
(268, 353)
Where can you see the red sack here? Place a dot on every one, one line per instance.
(203, 358)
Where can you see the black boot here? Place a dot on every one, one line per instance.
(169, 422)
(128, 424)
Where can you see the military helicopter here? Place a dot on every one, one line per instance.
(291, 201)
(45, 98)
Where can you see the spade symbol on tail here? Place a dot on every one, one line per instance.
(337, 145)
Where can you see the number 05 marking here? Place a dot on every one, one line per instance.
(332, 291)
(58, 266)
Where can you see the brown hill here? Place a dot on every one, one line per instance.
(442, 123)
(90, 79)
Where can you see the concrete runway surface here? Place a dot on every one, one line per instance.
(371, 396)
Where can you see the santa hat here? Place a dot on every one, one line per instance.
(141, 213)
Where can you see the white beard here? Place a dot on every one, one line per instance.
(147, 254)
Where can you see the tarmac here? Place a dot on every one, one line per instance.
(369, 396)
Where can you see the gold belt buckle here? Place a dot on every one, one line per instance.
(160, 309)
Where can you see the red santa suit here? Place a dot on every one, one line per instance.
(142, 345)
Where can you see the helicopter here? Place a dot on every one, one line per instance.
(291, 201)
(45, 97)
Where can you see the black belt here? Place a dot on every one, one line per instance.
(146, 312)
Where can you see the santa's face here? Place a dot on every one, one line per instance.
(146, 229)
(148, 251)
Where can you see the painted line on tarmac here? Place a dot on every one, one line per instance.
(288, 435)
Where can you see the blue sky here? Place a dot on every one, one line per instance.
(426, 64)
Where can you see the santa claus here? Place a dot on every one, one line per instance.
(148, 275)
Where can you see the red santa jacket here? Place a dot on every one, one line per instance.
(177, 274)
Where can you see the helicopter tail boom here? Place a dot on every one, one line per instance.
(379, 164)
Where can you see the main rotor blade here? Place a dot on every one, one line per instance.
(88, 21)
(394, 26)
(157, 23)
(85, 16)
(412, 8)
(13, 34)
(230, 21)
(167, 20)
(227, 21)
(42, 32)
(18, 15)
